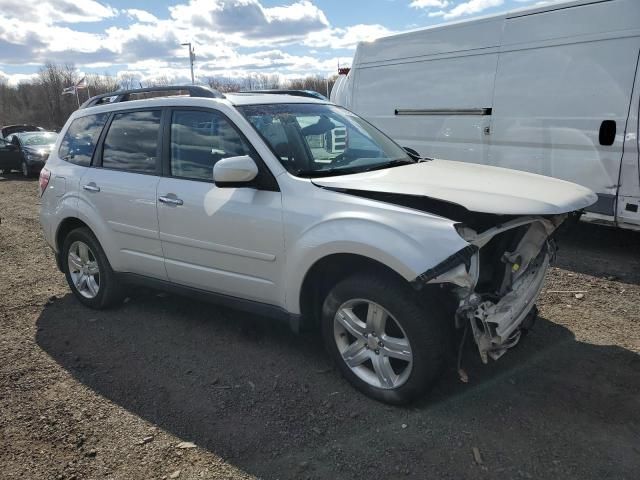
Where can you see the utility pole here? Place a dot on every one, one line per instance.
(192, 56)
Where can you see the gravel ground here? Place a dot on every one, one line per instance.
(112, 395)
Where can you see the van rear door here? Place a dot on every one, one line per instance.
(628, 204)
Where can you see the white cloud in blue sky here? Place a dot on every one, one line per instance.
(231, 37)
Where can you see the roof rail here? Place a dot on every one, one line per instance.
(124, 95)
(295, 93)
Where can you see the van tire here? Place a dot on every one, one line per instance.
(109, 292)
(421, 322)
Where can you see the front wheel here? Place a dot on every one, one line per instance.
(24, 168)
(383, 339)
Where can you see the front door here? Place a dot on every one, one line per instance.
(9, 155)
(224, 240)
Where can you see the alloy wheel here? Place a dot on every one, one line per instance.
(84, 269)
(372, 344)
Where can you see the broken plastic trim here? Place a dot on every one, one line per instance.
(461, 257)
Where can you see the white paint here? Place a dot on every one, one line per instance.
(259, 245)
(479, 188)
(550, 74)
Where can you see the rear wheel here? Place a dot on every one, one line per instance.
(88, 271)
(383, 339)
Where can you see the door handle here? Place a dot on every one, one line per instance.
(91, 187)
(170, 200)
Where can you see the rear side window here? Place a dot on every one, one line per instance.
(132, 142)
(80, 139)
(198, 140)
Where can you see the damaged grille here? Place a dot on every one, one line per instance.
(496, 265)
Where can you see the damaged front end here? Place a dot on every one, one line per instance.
(497, 278)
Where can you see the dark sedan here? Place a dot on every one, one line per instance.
(26, 151)
(11, 129)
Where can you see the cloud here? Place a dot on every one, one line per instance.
(249, 19)
(141, 15)
(429, 3)
(346, 38)
(16, 78)
(57, 11)
(230, 37)
(447, 10)
(471, 7)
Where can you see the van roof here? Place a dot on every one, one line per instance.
(517, 12)
(480, 34)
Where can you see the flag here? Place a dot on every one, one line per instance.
(69, 91)
(82, 83)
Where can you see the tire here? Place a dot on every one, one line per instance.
(410, 320)
(24, 169)
(108, 292)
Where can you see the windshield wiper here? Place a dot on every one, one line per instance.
(348, 170)
(392, 163)
(327, 172)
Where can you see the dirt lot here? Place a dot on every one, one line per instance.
(110, 395)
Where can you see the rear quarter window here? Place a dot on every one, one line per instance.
(80, 139)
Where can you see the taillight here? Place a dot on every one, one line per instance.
(45, 175)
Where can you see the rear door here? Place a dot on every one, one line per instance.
(225, 240)
(121, 191)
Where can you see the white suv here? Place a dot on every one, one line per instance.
(245, 199)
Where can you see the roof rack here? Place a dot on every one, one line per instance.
(124, 95)
(295, 93)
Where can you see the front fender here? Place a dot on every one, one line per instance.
(408, 252)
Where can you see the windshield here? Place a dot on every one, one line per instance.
(313, 140)
(40, 138)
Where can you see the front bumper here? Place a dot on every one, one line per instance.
(497, 326)
(498, 311)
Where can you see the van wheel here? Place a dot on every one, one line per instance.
(383, 338)
(88, 271)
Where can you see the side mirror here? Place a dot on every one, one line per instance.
(232, 172)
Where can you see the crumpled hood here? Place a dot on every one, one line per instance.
(478, 188)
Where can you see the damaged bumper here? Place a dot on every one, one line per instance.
(496, 305)
(497, 326)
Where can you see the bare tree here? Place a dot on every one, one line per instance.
(52, 79)
(40, 101)
(128, 80)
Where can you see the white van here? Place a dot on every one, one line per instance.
(553, 90)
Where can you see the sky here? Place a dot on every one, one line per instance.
(231, 38)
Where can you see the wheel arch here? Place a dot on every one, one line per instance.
(64, 228)
(327, 272)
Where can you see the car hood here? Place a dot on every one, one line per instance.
(41, 150)
(478, 188)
